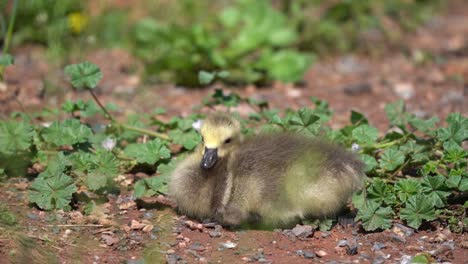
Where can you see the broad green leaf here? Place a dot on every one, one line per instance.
(68, 132)
(149, 152)
(418, 208)
(84, 75)
(435, 190)
(287, 65)
(188, 139)
(206, 78)
(365, 134)
(304, 120)
(358, 118)
(391, 159)
(53, 192)
(422, 125)
(380, 192)
(457, 129)
(370, 162)
(453, 181)
(96, 181)
(396, 113)
(6, 60)
(407, 188)
(464, 185)
(105, 163)
(374, 216)
(15, 136)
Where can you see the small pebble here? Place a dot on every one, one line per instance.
(228, 244)
(378, 246)
(343, 243)
(170, 251)
(309, 255)
(321, 253)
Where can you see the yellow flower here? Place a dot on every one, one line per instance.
(77, 21)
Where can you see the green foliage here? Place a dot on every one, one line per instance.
(416, 174)
(84, 75)
(374, 216)
(15, 136)
(150, 152)
(416, 209)
(68, 132)
(250, 40)
(6, 60)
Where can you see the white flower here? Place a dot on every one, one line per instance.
(197, 124)
(108, 143)
(355, 147)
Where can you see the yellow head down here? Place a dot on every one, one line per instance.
(220, 132)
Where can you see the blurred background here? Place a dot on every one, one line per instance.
(354, 54)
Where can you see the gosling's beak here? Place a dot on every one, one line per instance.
(209, 158)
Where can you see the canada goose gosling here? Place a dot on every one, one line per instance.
(278, 178)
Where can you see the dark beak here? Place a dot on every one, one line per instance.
(209, 158)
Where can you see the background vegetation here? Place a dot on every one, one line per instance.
(417, 172)
(256, 41)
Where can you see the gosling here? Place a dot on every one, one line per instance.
(273, 179)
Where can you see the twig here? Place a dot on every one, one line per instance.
(76, 225)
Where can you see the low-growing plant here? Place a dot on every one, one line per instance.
(417, 172)
(250, 39)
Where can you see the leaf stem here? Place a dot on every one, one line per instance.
(145, 131)
(11, 23)
(125, 126)
(103, 108)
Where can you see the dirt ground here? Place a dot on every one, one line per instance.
(431, 77)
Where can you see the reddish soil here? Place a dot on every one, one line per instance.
(362, 82)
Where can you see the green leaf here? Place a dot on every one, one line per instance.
(396, 113)
(69, 132)
(157, 184)
(187, 139)
(96, 181)
(205, 78)
(286, 65)
(418, 208)
(365, 134)
(15, 136)
(358, 118)
(6, 60)
(84, 75)
(52, 192)
(371, 162)
(373, 216)
(435, 190)
(391, 159)
(380, 192)
(325, 224)
(105, 163)
(457, 129)
(150, 153)
(422, 125)
(464, 185)
(407, 188)
(304, 120)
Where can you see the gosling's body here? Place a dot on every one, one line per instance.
(280, 178)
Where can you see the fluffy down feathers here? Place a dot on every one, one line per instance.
(273, 179)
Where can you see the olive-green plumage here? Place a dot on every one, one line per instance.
(278, 178)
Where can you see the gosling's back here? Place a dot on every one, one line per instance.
(285, 176)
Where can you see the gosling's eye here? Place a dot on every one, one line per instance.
(227, 141)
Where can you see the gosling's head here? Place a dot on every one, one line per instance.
(220, 132)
